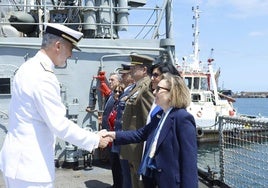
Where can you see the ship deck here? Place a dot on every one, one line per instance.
(100, 176)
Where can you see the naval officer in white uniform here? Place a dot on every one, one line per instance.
(37, 115)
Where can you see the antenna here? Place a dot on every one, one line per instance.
(195, 43)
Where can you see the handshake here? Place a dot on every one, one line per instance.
(106, 137)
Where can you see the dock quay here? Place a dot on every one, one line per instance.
(251, 94)
(245, 94)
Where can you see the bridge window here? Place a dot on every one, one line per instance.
(188, 82)
(5, 86)
(196, 97)
(204, 84)
(196, 83)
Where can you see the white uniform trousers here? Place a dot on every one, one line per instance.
(15, 183)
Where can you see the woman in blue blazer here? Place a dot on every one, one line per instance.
(170, 155)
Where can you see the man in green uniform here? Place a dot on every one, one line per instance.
(138, 104)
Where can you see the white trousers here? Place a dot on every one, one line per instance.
(16, 183)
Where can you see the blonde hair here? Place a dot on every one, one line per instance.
(179, 92)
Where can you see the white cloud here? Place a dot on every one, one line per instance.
(263, 33)
(257, 34)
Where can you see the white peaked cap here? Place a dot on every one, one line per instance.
(65, 32)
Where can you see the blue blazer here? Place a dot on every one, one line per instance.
(176, 150)
(118, 120)
(109, 104)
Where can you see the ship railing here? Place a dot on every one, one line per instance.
(243, 153)
(96, 23)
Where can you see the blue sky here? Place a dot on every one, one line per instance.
(237, 30)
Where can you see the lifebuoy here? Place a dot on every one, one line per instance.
(231, 112)
(199, 113)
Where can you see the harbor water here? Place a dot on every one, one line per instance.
(252, 106)
(208, 153)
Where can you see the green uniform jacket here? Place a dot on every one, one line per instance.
(138, 105)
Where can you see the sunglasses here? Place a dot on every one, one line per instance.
(157, 89)
(117, 91)
(155, 75)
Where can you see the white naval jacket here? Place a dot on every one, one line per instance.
(36, 117)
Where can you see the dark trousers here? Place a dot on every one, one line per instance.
(148, 182)
(126, 173)
(116, 170)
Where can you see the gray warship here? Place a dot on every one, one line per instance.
(105, 46)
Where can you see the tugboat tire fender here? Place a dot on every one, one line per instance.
(199, 132)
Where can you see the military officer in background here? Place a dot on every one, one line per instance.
(137, 107)
(37, 115)
(114, 80)
(122, 169)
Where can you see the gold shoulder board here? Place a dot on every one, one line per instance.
(46, 67)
